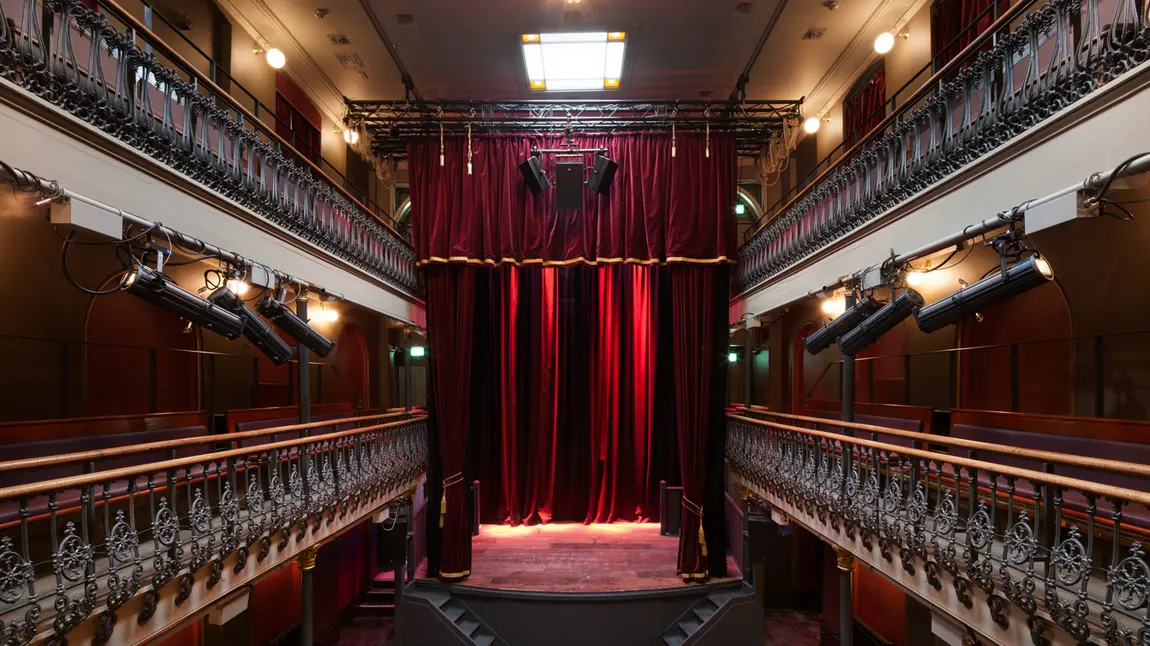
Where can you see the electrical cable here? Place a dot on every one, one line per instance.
(127, 271)
(1117, 169)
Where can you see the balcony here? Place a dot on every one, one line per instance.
(1020, 555)
(138, 549)
(1036, 64)
(109, 70)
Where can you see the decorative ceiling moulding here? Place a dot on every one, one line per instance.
(963, 115)
(197, 134)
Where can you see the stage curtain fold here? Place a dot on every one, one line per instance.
(450, 300)
(659, 209)
(694, 290)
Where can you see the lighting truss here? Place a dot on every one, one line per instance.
(391, 124)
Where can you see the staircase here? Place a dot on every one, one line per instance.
(467, 625)
(379, 599)
(687, 629)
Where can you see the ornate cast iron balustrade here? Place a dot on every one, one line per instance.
(1052, 57)
(78, 60)
(1049, 550)
(83, 546)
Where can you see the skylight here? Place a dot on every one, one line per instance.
(574, 61)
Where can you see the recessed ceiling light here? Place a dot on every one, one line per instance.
(574, 61)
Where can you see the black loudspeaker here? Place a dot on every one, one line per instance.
(763, 535)
(602, 175)
(569, 177)
(532, 170)
(391, 541)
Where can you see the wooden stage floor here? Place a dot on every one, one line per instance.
(571, 557)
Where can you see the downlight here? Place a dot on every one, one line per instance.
(881, 322)
(158, 289)
(845, 322)
(286, 320)
(256, 330)
(997, 287)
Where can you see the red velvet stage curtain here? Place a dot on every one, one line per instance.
(490, 217)
(694, 290)
(863, 107)
(450, 300)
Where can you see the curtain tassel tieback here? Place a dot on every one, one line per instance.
(447, 482)
(698, 511)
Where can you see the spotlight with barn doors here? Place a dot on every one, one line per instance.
(156, 288)
(256, 329)
(286, 320)
(845, 322)
(995, 288)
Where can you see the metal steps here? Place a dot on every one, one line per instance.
(466, 623)
(704, 610)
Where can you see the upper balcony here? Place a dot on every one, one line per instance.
(1041, 68)
(102, 64)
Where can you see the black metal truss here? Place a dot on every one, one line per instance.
(391, 124)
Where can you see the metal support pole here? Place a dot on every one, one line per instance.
(307, 605)
(846, 565)
(849, 378)
(304, 357)
(407, 380)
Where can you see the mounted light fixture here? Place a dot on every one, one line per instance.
(255, 329)
(884, 42)
(286, 320)
(833, 307)
(811, 125)
(999, 286)
(238, 286)
(878, 324)
(915, 278)
(156, 288)
(822, 339)
(350, 136)
(276, 59)
(574, 61)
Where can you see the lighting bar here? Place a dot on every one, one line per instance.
(256, 330)
(158, 289)
(997, 287)
(879, 323)
(286, 320)
(845, 322)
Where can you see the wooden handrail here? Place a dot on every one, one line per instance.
(1101, 464)
(203, 79)
(1010, 14)
(1098, 489)
(96, 454)
(73, 482)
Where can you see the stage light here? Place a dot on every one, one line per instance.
(350, 136)
(256, 329)
(997, 287)
(733, 357)
(833, 307)
(532, 170)
(822, 339)
(237, 286)
(158, 289)
(276, 58)
(915, 278)
(418, 351)
(811, 125)
(878, 324)
(884, 43)
(602, 175)
(286, 320)
(327, 315)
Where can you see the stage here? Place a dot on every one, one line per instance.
(572, 557)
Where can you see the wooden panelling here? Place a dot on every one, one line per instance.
(58, 429)
(1118, 430)
(244, 415)
(896, 411)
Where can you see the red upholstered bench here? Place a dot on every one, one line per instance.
(1111, 439)
(33, 439)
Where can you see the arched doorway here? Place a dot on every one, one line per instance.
(133, 358)
(351, 361)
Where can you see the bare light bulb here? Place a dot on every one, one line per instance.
(833, 307)
(884, 43)
(811, 125)
(276, 58)
(915, 278)
(350, 136)
(237, 286)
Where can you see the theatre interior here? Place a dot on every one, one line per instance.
(574, 322)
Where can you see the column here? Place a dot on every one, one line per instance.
(848, 389)
(407, 366)
(307, 606)
(304, 358)
(846, 564)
